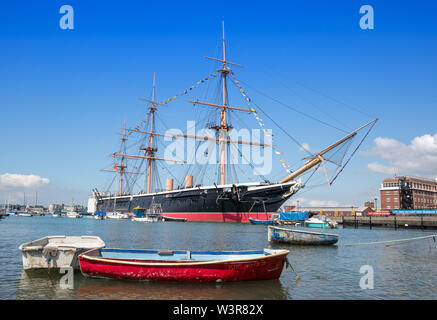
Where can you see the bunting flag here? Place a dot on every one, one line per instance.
(116, 168)
(214, 74)
(257, 118)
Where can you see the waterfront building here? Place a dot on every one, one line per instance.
(338, 211)
(408, 193)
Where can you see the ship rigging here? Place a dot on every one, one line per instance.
(226, 199)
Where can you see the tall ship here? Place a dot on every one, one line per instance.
(188, 194)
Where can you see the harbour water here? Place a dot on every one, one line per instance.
(401, 271)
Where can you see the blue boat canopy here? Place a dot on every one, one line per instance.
(294, 215)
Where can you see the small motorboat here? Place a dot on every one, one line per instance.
(117, 215)
(99, 215)
(56, 214)
(320, 221)
(145, 219)
(300, 237)
(57, 251)
(72, 213)
(188, 266)
(22, 213)
(164, 218)
(257, 221)
(144, 215)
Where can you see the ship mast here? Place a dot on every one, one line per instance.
(223, 128)
(223, 124)
(122, 166)
(318, 158)
(150, 151)
(120, 169)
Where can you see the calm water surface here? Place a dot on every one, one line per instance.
(401, 271)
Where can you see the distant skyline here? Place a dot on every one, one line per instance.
(65, 93)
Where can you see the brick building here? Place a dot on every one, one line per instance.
(408, 193)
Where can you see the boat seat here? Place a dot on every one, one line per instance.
(31, 248)
(166, 252)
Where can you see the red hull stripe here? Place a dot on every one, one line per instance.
(219, 216)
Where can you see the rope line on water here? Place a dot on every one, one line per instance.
(392, 241)
(288, 264)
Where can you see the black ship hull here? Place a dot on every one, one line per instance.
(236, 203)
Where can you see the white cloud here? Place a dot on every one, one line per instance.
(12, 180)
(304, 202)
(417, 158)
(380, 168)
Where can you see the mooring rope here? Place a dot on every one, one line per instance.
(288, 264)
(392, 241)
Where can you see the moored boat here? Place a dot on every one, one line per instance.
(57, 251)
(258, 221)
(99, 215)
(144, 219)
(164, 218)
(142, 215)
(223, 197)
(300, 237)
(187, 266)
(21, 213)
(72, 213)
(117, 215)
(320, 221)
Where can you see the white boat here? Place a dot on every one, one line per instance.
(23, 213)
(72, 213)
(56, 214)
(57, 251)
(145, 219)
(117, 215)
(320, 221)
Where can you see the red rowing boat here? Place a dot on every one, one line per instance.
(189, 266)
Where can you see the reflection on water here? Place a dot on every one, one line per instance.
(41, 284)
(402, 271)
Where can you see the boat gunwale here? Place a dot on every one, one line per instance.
(304, 231)
(22, 247)
(187, 263)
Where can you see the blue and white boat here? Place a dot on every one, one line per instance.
(258, 221)
(300, 237)
(320, 221)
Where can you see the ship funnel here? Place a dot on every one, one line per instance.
(169, 184)
(188, 181)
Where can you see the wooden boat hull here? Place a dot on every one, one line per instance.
(300, 237)
(262, 268)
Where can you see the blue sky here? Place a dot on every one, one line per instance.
(65, 93)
